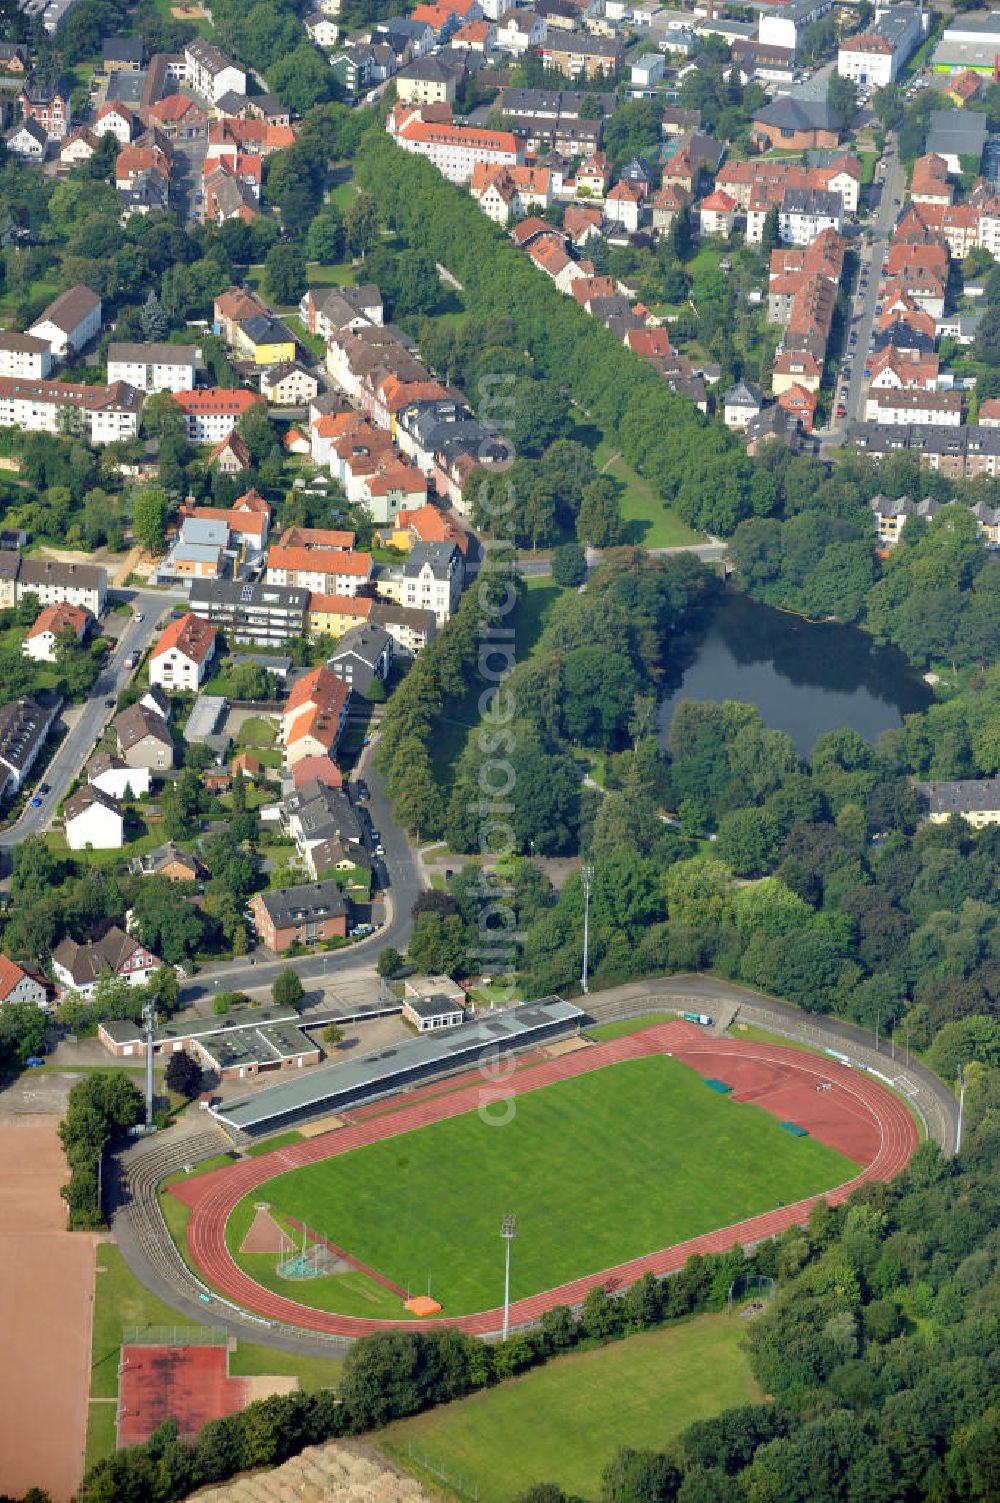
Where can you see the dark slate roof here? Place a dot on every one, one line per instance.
(799, 114)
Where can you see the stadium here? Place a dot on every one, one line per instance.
(616, 1157)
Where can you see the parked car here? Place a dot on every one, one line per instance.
(841, 410)
(36, 802)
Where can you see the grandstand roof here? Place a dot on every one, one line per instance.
(353, 1081)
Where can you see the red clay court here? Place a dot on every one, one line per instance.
(189, 1384)
(847, 1109)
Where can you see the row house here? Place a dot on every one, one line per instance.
(653, 346)
(905, 257)
(394, 487)
(358, 361)
(891, 516)
(449, 445)
(83, 586)
(103, 414)
(320, 571)
(116, 119)
(580, 55)
(790, 268)
(229, 139)
(892, 513)
(802, 294)
(382, 399)
(918, 286)
(929, 181)
(717, 214)
(806, 213)
(894, 369)
(24, 726)
(745, 180)
(941, 409)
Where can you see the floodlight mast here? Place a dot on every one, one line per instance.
(508, 1231)
(588, 877)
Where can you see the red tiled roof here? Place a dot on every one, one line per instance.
(320, 560)
(317, 769)
(60, 617)
(341, 605)
(432, 526)
(191, 636)
(10, 975)
(214, 400)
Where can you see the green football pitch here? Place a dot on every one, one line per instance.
(597, 1169)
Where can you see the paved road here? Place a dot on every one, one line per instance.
(863, 304)
(141, 1235)
(540, 568)
(399, 870)
(80, 740)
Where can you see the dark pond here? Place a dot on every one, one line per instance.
(804, 678)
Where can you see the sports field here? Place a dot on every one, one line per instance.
(563, 1422)
(601, 1168)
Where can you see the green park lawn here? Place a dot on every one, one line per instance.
(598, 1169)
(648, 521)
(528, 620)
(563, 1422)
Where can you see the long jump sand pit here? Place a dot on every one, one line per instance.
(46, 1305)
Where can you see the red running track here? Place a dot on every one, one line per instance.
(845, 1108)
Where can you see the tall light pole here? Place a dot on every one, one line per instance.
(878, 1019)
(508, 1231)
(150, 1015)
(961, 1109)
(588, 877)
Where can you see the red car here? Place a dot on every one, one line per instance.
(841, 410)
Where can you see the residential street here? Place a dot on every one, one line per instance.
(94, 715)
(863, 304)
(399, 871)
